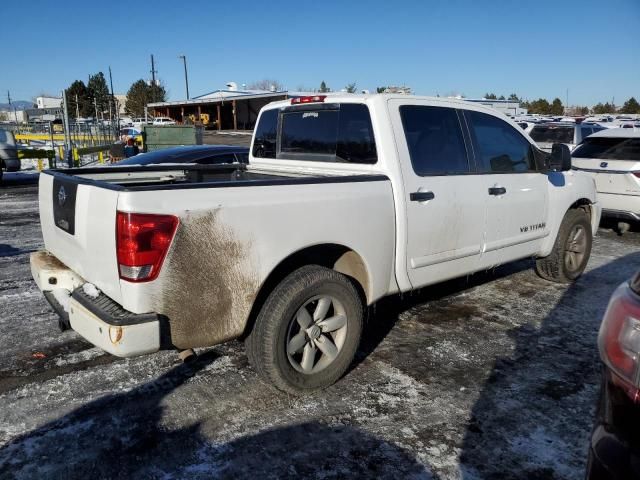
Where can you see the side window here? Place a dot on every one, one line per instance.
(264, 144)
(435, 141)
(586, 131)
(355, 142)
(499, 147)
(226, 158)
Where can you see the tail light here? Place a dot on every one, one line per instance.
(637, 174)
(309, 99)
(142, 242)
(619, 340)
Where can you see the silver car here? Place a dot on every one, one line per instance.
(9, 160)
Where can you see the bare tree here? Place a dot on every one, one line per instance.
(267, 84)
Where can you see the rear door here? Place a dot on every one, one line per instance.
(443, 200)
(514, 191)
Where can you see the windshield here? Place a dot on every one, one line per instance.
(552, 134)
(609, 148)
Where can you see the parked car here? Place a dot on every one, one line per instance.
(163, 121)
(9, 160)
(612, 158)
(346, 199)
(138, 123)
(571, 134)
(614, 451)
(200, 154)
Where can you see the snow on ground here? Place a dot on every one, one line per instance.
(491, 377)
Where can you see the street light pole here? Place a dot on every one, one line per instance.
(186, 79)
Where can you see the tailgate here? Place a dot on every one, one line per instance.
(78, 222)
(611, 176)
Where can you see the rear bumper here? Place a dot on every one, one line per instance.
(110, 327)
(624, 207)
(620, 215)
(97, 318)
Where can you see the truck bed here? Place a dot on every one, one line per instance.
(173, 176)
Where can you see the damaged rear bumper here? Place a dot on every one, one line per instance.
(97, 318)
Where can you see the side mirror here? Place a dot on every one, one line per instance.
(560, 158)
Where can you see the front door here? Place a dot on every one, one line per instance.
(514, 191)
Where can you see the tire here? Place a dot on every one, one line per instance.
(285, 361)
(558, 266)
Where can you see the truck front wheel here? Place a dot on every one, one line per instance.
(571, 251)
(308, 330)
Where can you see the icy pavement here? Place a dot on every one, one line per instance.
(491, 377)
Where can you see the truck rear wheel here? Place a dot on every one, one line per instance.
(571, 251)
(307, 331)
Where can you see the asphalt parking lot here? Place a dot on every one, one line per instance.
(494, 376)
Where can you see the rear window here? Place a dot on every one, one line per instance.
(552, 134)
(609, 148)
(330, 133)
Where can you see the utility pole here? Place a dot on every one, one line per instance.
(15, 114)
(67, 137)
(567, 100)
(153, 79)
(116, 127)
(77, 109)
(186, 80)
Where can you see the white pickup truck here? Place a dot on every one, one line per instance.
(346, 199)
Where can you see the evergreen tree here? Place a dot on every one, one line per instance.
(600, 109)
(556, 107)
(78, 101)
(140, 94)
(490, 96)
(323, 87)
(630, 106)
(540, 106)
(98, 92)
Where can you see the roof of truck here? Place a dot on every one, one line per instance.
(336, 97)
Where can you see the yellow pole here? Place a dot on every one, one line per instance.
(60, 152)
(100, 157)
(39, 164)
(76, 157)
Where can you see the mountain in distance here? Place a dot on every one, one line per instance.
(18, 105)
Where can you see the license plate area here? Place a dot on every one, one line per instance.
(64, 205)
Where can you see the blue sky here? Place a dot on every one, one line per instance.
(533, 48)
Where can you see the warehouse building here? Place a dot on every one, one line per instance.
(227, 109)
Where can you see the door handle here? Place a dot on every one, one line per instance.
(421, 196)
(497, 190)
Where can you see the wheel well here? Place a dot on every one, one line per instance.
(336, 257)
(584, 204)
